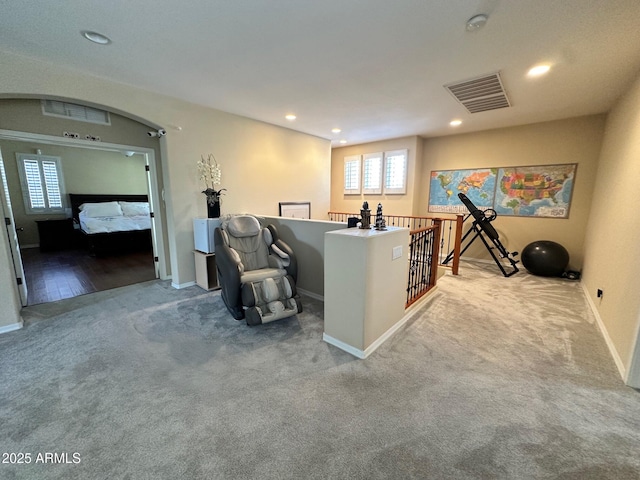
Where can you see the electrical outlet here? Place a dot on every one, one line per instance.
(397, 252)
(600, 293)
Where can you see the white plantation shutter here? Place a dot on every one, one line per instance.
(42, 185)
(395, 175)
(372, 173)
(34, 183)
(352, 175)
(52, 183)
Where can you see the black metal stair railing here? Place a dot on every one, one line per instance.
(423, 271)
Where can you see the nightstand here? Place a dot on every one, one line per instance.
(55, 234)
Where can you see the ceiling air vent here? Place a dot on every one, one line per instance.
(480, 94)
(72, 111)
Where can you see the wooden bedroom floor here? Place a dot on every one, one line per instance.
(52, 276)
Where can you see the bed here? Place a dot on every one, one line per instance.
(112, 223)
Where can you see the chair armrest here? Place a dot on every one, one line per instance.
(292, 267)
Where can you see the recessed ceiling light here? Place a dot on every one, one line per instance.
(291, 117)
(538, 70)
(96, 37)
(455, 123)
(476, 22)
(343, 141)
(336, 130)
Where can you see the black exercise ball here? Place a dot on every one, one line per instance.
(545, 258)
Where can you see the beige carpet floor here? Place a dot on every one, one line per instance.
(495, 378)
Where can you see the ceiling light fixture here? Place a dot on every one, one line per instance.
(336, 130)
(538, 70)
(96, 37)
(291, 117)
(343, 141)
(476, 22)
(455, 123)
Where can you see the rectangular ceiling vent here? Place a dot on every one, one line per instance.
(72, 111)
(480, 94)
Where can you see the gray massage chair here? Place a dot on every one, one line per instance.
(256, 270)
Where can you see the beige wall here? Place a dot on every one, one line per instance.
(367, 299)
(392, 204)
(25, 115)
(262, 164)
(612, 261)
(575, 140)
(306, 238)
(84, 171)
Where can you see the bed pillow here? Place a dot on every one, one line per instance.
(102, 209)
(131, 209)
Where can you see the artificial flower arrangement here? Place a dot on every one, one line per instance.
(210, 172)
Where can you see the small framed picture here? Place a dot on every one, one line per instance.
(295, 209)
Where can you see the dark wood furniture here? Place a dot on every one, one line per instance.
(114, 242)
(55, 234)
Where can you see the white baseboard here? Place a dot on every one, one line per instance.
(178, 286)
(356, 352)
(310, 294)
(612, 349)
(11, 328)
(362, 354)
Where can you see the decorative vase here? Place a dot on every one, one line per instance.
(213, 211)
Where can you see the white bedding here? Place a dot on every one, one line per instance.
(120, 223)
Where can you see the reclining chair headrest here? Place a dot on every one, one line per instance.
(243, 226)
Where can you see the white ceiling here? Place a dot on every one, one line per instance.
(374, 68)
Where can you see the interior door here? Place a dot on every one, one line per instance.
(7, 214)
(151, 182)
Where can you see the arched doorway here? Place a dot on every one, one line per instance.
(149, 156)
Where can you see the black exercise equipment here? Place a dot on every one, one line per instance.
(545, 258)
(482, 227)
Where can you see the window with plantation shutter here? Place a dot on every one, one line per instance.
(395, 172)
(372, 173)
(352, 175)
(41, 180)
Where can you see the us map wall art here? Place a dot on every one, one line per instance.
(530, 191)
